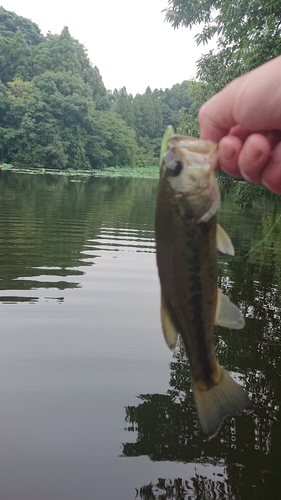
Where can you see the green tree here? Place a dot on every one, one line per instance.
(248, 34)
(187, 119)
(114, 143)
(15, 53)
(11, 23)
(123, 105)
(172, 101)
(57, 53)
(32, 135)
(55, 111)
(93, 78)
(18, 37)
(148, 118)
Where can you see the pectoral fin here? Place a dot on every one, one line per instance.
(224, 244)
(170, 333)
(227, 314)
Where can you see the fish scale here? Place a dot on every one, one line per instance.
(187, 237)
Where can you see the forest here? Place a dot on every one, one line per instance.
(55, 111)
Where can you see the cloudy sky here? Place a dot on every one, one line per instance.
(127, 40)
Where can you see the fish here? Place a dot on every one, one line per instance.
(187, 238)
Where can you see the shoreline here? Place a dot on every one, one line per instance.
(151, 172)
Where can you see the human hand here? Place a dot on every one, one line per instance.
(245, 117)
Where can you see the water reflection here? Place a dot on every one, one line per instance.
(14, 299)
(166, 425)
(52, 227)
(202, 485)
(247, 449)
(78, 275)
(123, 239)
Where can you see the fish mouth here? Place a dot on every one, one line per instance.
(202, 152)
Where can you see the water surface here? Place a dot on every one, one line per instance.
(93, 404)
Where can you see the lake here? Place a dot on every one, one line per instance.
(93, 403)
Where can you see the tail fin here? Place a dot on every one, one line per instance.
(224, 399)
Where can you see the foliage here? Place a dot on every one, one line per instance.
(10, 24)
(247, 34)
(54, 108)
(172, 100)
(149, 114)
(243, 193)
(56, 113)
(123, 105)
(188, 123)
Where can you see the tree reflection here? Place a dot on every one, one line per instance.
(198, 487)
(248, 448)
(166, 425)
(47, 222)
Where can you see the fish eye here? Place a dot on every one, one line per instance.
(175, 167)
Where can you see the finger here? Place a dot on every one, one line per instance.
(271, 175)
(229, 150)
(253, 157)
(273, 136)
(215, 116)
(240, 132)
(245, 101)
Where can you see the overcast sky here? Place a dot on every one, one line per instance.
(127, 40)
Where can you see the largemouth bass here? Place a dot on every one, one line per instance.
(187, 238)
